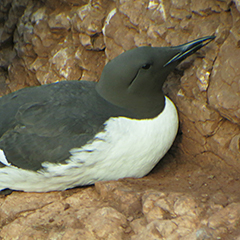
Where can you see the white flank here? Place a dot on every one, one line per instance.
(3, 158)
(127, 148)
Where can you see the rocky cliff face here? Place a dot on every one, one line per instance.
(194, 190)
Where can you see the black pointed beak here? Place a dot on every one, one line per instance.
(189, 48)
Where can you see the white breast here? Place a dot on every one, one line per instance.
(126, 148)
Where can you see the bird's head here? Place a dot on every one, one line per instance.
(134, 79)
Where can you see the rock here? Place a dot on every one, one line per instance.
(53, 215)
(228, 216)
(3, 86)
(122, 198)
(186, 205)
(237, 2)
(106, 223)
(193, 192)
(223, 92)
(138, 225)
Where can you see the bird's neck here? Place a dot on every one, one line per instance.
(140, 107)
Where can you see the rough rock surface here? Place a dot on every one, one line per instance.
(194, 192)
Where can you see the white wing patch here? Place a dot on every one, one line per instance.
(3, 158)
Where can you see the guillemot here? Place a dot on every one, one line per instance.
(75, 133)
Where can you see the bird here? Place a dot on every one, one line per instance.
(75, 133)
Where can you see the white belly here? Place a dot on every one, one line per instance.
(126, 148)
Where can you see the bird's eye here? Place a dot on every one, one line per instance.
(146, 66)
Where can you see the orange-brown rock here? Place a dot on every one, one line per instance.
(194, 191)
